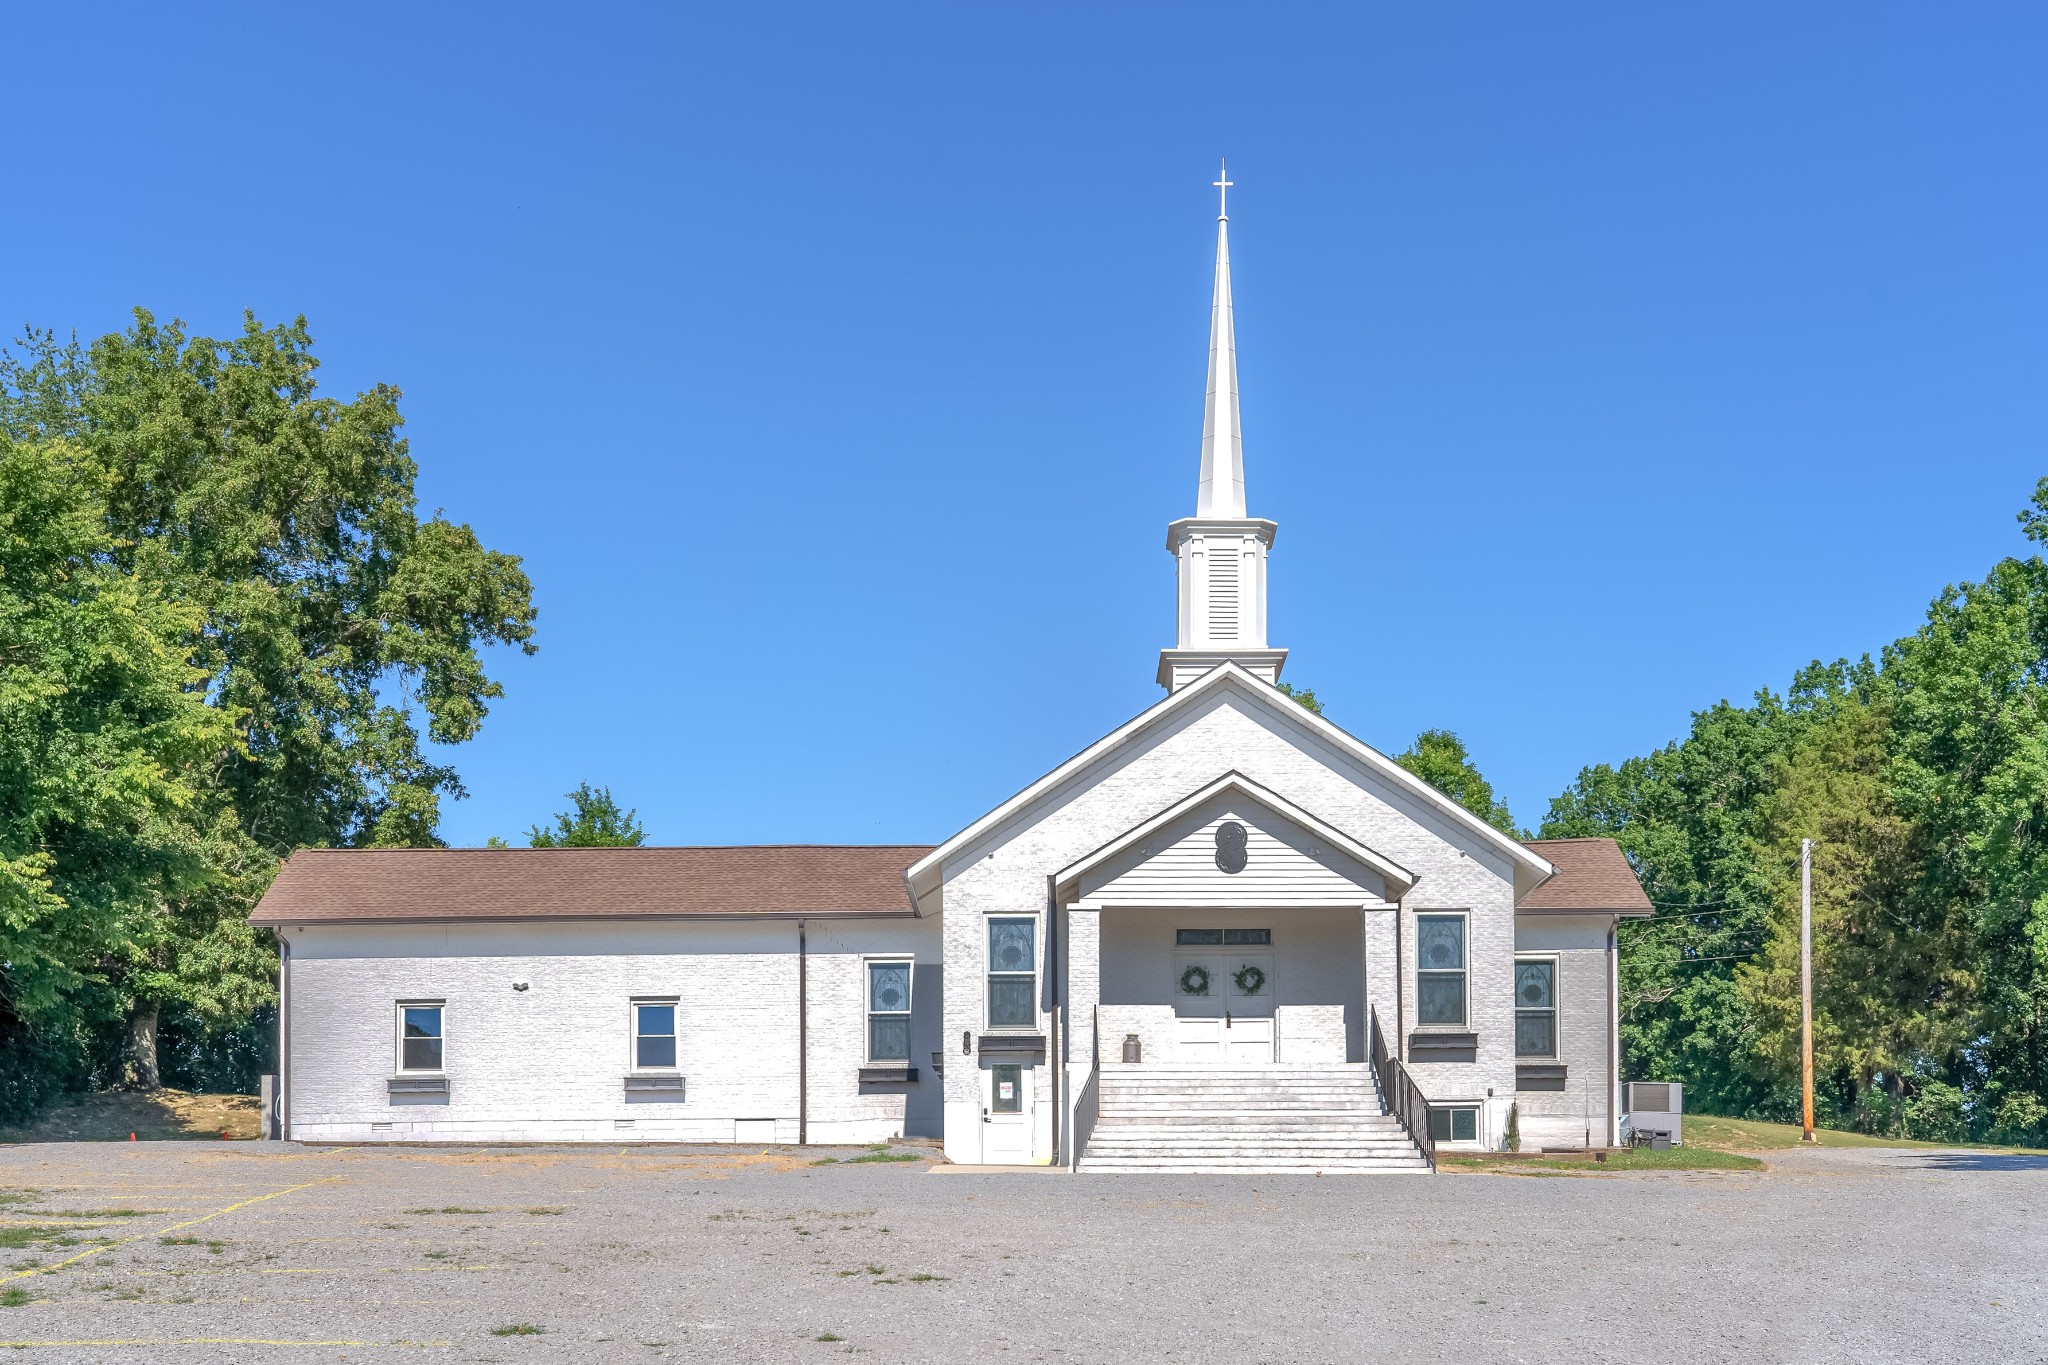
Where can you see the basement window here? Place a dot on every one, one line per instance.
(1460, 1124)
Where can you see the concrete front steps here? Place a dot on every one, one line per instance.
(1268, 1120)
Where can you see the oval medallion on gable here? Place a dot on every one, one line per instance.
(1230, 842)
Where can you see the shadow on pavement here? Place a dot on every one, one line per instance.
(1982, 1161)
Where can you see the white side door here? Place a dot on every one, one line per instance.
(1006, 1114)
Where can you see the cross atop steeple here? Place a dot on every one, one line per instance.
(1222, 190)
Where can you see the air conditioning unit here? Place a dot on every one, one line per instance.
(1653, 1109)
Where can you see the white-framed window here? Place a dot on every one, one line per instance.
(1535, 1007)
(1454, 1123)
(888, 1008)
(419, 1025)
(1440, 968)
(1012, 973)
(654, 1035)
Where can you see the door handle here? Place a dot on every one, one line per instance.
(1226, 1018)
(984, 1115)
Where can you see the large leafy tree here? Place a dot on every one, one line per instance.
(1690, 817)
(109, 752)
(330, 624)
(1439, 758)
(1924, 784)
(1970, 769)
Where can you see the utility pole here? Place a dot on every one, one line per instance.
(1806, 988)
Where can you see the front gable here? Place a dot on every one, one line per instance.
(1187, 864)
(1227, 720)
(1233, 843)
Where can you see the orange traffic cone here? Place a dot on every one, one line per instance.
(131, 1137)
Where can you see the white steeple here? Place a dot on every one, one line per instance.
(1221, 551)
(1221, 493)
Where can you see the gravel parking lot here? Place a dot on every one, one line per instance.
(247, 1251)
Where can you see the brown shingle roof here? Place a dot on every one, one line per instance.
(319, 885)
(1593, 876)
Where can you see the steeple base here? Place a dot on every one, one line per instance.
(1179, 667)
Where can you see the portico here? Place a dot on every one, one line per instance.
(1232, 929)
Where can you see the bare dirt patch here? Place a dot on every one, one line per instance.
(110, 1116)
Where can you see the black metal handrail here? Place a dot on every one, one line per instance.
(1401, 1094)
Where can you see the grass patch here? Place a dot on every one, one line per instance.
(922, 1278)
(1687, 1158)
(828, 1336)
(518, 1329)
(1754, 1135)
(14, 1296)
(882, 1153)
(18, 1238)
(879, 1152)
(451, 1208)
(547, 1213)
(102, 1213)
(215, 1247)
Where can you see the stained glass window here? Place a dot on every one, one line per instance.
(888, 1011)
(1012, 973)
(1535, 1008)
(1440, 969)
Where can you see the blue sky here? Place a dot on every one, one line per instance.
(837, 369)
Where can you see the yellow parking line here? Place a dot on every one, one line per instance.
(160, 1232)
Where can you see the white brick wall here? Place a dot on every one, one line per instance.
(1006, 872)
(549, 1063)
(1563, 1118)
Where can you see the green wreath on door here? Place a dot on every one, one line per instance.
(1250, 979)
(1195, 981)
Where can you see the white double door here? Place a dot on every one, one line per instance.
(1223, 1007)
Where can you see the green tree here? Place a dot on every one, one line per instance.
(1970, 768)
(1438, 757)
(335, 628)
(593, 820)
(1305, 695)
(108, 752)
(1691, 817)
(1892, 975)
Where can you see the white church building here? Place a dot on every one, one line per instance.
(1228, 936)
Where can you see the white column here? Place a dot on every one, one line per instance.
(1084, 981)
(1382, 974)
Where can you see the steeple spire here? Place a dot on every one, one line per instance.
(1221, 551)
(1221, 492)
